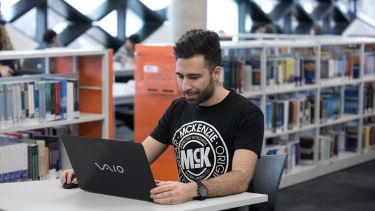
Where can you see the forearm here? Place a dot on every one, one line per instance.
(230, 183)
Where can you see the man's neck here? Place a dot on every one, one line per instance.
(219, 94)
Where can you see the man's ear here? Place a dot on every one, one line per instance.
(216, 73)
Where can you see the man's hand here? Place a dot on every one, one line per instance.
(6, 71)
(174, 192)
(68, 176)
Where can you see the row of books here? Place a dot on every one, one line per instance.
(242, 69)
(368, 137)
(330, 105)
(38, 101)
(292, 148)
(30, 155)
(332, 143)
(288, 114)
(369, 64)
(245, 75)
(346, 66)
(368, 98)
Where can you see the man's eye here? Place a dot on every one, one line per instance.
(194, 77)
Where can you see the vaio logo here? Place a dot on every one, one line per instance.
(112, 168)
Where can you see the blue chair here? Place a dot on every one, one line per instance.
(266, 180)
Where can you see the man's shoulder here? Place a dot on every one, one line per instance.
(178, 102)
(241, 101)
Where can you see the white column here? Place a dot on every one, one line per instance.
(186, 15)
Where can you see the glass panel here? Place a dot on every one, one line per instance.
(217, 21)
(6, 4)
(133, 22)
(85, 7)
(85, 41)
(109, 23)
(308, 5)
(56, 22)
(27, 24)
(156, 5)
(267, 6)
(367, 7)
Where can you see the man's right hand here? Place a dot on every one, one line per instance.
(68, 176)
(6, 71)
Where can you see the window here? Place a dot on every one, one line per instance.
(109, 23)
(85, 7)
(222, 17)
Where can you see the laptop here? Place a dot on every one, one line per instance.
(110, 167)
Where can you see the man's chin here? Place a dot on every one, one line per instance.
(191, 101)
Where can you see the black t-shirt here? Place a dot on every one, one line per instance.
(205, 137)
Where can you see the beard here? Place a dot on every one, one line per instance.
(203, 95)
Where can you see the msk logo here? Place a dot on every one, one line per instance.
(200, 151)
(112, 168)
(191, 160)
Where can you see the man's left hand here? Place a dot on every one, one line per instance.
(171, 192)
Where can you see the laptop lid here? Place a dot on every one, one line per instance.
(110, 167)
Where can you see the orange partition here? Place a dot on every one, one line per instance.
(90, 74)
(156, 87)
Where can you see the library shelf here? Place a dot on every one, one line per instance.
(269, 134)
(304, 173)
(91, 69)
(338, 82)
(31, 125)
(344, 118)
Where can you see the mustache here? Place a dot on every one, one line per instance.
(189, 92)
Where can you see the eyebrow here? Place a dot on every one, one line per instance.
(189, 74)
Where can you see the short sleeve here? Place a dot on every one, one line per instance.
(250, 131)
(162, 132)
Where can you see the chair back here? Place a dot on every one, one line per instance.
(266, 180)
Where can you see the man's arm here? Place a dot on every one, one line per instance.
(5, 71)
(153, 149)
(235, 181)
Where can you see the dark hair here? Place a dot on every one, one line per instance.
(199, 42)
(134, 38)
(48, 36)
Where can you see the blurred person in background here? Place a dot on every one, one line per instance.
(125, 55)
(50, 40)
(7, 67)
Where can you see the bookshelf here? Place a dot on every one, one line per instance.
(89, 70)
(324, 85)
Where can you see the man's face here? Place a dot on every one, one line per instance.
(129, 46)
(194, 79)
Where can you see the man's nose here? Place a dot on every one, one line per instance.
(185, 84)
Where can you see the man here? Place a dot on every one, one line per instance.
(125, 55)
(216, 133)
(50, 40)
(7, 67)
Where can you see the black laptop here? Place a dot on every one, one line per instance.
(110, 167)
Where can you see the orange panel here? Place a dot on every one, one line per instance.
(110, 94)
(165, 167)
(90, 71)
(62, 65)
(149, 106)
(90, 100)
(91, 129)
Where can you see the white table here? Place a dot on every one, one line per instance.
(49, 195)
(123, 93)
(123, 70)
